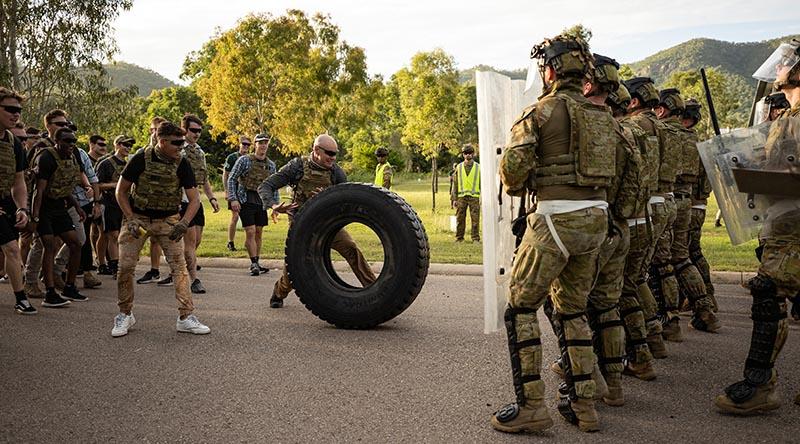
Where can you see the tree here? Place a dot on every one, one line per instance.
(50, 49)
(723, 92)
(288, 76)
(428, 97)
(579, 31)
(625, 72)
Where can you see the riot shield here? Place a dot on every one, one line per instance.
(755, 175)
(500, 102)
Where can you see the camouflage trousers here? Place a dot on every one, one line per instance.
(129, 247)
(474, 206)
(540, 271)
(690, 280)
(344, 244)
(695, 249)
(661, 274)
(637, 305)
(603, 302)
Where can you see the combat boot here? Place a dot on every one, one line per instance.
(530, 417)
(583, 413)
(657, 347)
(641, 370)
(672, 331)
(614, 397)
(32, 290)
(90, 280)
(764, 399)
(705, 320)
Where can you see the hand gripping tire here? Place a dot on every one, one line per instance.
(308, 255)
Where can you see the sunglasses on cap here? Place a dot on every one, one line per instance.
(328, 153)
(195, 130)
(11, 109)
(177, 142)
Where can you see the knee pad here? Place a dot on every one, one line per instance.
(515, 344)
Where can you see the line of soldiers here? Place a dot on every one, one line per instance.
(614, 242)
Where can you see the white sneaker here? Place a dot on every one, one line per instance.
(192, 325)
(122, 323)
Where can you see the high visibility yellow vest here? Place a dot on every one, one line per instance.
(380, 170)
(469, 184)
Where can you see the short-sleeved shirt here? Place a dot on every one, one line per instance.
(19, 158)
(135, 168)
(105, 174)
(47, 167)
(230, 161)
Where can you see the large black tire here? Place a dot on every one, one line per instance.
(308, 255)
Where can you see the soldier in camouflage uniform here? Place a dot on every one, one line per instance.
(640, 357)
(309, 175)
(149, 195)
(670, 109)
(563, 150)
(701, 189)
(778, 275)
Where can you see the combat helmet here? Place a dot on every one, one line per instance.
(670, 98)
(692, 110)
(606, 73)
(619, 100)
(642, 88)
(567, 55)
(786, 55)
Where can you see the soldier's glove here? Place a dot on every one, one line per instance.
(178, 230)
(135, 227)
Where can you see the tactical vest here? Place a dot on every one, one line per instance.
(66, 176)
(159, 187)
(690, 160)
(312, 179)
(469, 185)
(671, 143)
(259, 170)
(198, 163)
(118, 167)
(8, 165)
(380, 171)
(591, 160)
(30, 177)
(648, 147)
(628, 194)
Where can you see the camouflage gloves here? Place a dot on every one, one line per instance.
(134, 226)
(178, 230)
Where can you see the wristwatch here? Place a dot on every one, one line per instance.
(35, 219)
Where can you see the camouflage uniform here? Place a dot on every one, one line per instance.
(558, 255)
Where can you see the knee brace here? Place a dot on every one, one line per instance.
(517, 343)
(608, 337)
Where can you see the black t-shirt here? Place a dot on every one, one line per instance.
(105, 174)
(135, 168)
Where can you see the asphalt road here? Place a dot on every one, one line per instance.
(284, 376)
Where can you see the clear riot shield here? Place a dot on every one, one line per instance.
(755, 175)
(500, 102)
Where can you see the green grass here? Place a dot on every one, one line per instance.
(721, 255)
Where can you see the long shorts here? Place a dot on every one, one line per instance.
(8, 232)
(199, 218)
(112, 218)
(54, 218)
(252, 214)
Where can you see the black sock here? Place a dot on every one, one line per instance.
(154, 270)
(254, 259)
(20, 295)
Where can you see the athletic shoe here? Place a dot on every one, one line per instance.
(254, 270)
(53, 300)
(122, 323)
(90, 280)
(263, 269)
(275, 301)
(4, 279)
(24, 307)
(150, 276)
(105, 270)
(192, 325)
(71, 293)
(231, 247)
(166, 282)
(197, 287)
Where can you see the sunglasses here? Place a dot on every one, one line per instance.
(196, 130)
(178, 142)
(246, 144)
(11, 109)
(328, 153)
(60, 124)
(70, 141)
(101, 144)
(127, 144)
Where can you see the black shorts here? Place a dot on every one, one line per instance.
(199, 218)
(54, 218)
(252, 214)
(112, 219)
(8, 232)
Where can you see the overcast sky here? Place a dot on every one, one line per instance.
(158, 34)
